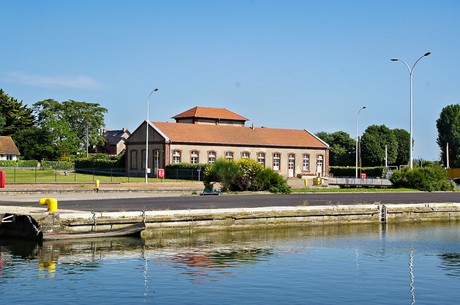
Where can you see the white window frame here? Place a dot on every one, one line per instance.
(229, 155)
(276, 161)
(245, 155)
(261, 158)
(194, 157)
(306, 162)
(176, 156)
(212, 155)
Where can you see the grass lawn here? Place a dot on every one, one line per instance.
(15, 175)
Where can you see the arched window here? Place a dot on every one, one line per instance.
(306, 162)
(133, 161)
(276, 161)
(194, 157)
(176, 156)
(261, 158)
(245, 155)
(211, 157)
(229, 155)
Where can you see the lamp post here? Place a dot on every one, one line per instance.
(357, 140)
(147, 137)
(411, 70)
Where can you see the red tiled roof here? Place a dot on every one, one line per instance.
(7, 146)
(210, 113)
(238, 135)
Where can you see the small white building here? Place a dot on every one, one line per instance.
(8, 150)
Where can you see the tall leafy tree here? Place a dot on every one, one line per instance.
(2, 122)
(51, 119)
(86, 120)
(72, 124)
(373, 143)
(448, 126)
(16, 115)
(403, 139)
(342, 148)
(35, 144)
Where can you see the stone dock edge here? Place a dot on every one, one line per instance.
(163, 222)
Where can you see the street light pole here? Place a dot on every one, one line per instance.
(357, 140)
(411, 70)
(147, 137)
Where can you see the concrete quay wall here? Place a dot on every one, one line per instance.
(210, 220)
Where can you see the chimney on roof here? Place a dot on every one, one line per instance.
(252, 126)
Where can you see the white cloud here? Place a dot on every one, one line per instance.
(83, 82)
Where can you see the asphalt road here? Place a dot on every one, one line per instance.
(249, 201)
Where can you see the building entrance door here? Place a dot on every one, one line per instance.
(319, 165)
(291, 165)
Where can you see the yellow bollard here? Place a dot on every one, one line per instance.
(51, 203)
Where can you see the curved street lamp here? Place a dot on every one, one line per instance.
(357, 140)
(411, 70)
(147, 137)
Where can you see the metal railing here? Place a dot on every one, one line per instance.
(363, 182)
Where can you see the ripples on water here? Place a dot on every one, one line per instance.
(315, 265)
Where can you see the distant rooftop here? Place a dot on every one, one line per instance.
(210, 113)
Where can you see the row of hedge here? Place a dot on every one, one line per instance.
(67, 165)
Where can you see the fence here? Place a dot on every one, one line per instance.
(360, 182)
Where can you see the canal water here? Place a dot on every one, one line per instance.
(356, 264)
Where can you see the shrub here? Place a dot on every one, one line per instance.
(63, 165)
(270, 180)
(244, 175)
(8, 163)
(101, 161)
(428, 178)
(225, 172)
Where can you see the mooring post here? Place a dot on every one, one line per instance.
(383, 213)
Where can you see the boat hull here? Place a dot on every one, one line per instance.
(26, 227)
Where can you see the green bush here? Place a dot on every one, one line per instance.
(8, 163)
(62, 165)
(100, 161)
(428, 178)
(27, 163)
(270, 180)
(244, 175)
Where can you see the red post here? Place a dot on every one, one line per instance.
(2, 179)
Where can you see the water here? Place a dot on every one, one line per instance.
(359, 264)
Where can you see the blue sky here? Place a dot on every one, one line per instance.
(283, 64)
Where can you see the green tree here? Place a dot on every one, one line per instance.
(448, 126)
(73, 125)
(86, 120)
(342, 148)
(2, 122)
(51, 120)
(16, 115)
(35, 144)
(373, 143)
(403, 139)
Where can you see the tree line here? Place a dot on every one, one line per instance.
(51, 130)
(379, 143)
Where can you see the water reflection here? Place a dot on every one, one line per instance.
(83, 254)
(450, 263)
(306, 261)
